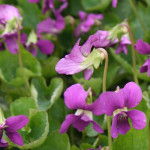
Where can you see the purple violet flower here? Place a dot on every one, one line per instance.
(76, 62)
(75, 98)
(122, 47)
(146, 67)
(45, 46)
(87, 21)
(50, 25)
(9, 34)
(8, 12)
(117, 104)
(114, 3)
(10, 125)
(142, 47)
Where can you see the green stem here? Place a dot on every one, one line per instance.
(133, 52)
(137, 15)
(149, 135)
(20, 60)
(104, 90)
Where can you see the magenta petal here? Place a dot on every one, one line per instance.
(45, 46)
(80, 124)
(132, 95)
(146, 67)
(120, 125)
(3, 143)
(123, 125)
(11, 43)
(82, 15)
(88, 73)
(33, 1)
(75, 97)
(96, 127)
(138, 119)
(70, 119)
(142, 47)
(112, 101)
(114, 130)
(14, 136)
(68, 66)
(76, 54)
(96, 107)
(114, 3)
(8, 12)
(17, 122)
(47, 26)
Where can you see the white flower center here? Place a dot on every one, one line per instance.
(85, 112)
(117, 111)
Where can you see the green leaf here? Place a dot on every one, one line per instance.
(48, 66)
(46, 96)
(10, 71)
(85, 146)
(56, 141)
(22, 106)
(74, 148)
(30, 14)
(95, 5)
(133, 140)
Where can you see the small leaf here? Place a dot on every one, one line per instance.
(43, 95)
(56, 141)
(22, 106)
(10, 71)
(95, 5)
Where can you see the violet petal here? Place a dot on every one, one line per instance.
(88, 73)
(11, 43)
(70, 119)
(75, 97)
(14, 136)
(132, 95)
(142, 47)
(114, 3)
(8, 12)
(97, 127)
(33, 1)
(112, 101)
(146, 67)
(45, 46)
(17, 122)
(138, 119)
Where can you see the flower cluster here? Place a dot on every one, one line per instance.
(116, 104)
(144, 49)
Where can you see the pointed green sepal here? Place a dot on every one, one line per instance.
(32, 38)
(2, 118)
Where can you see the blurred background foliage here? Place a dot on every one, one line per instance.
(45, 107)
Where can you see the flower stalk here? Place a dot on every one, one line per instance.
(133, 52)
(104, 90)
(20, 59)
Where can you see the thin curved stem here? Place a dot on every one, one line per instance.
(104, 90)
(133, 52)
(20, 60)
(137, 15)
